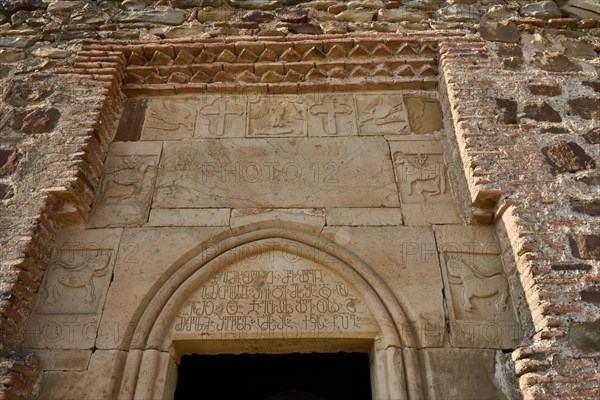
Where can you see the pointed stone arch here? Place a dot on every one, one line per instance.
(148, 363)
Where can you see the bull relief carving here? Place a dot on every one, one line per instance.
(421, 177)
(73, 281)
(277, 116)
(380, 115)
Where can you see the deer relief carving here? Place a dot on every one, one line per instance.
(126, 180)
(79, 274)
(476, 283)
(420, 177)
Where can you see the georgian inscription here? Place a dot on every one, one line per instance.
(332, 115)
(221, 116)
(169, 119)
(285, 297)
(381, 115)
(277, 116)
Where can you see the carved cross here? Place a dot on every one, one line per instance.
(220, 109)
(330, 109)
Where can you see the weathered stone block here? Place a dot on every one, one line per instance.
(585, 337)
(9, 158)
(585, 246)
(543, 9)
(586, 107)
(508, 110)
(555, 62)
(545, 90)
(36, 121)
(505, 31)
(593, 136)
(568, 157)
(6, 191)
(542, 112)
(589, 207)
(591, 295)
(424, 114)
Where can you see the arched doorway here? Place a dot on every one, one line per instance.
(270, 290)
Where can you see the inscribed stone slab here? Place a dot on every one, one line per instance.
(74, 290)
(301, 216)
(274, 293)
(423, 184)
(406, 259)
(145, 254)
(479, 303)
(274, 173)
(126, 188)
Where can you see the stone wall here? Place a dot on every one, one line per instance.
(520, 80)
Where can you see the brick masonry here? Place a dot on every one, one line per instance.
(524, 137)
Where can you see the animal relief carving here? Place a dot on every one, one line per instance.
(420, 177)
(169, 119)
(477, 284)
(379, 114)
(72, 283)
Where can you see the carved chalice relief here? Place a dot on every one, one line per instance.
(328, 110)
(77, 274)
(379, 112)
(419, 177)
(476, 283)
(276, 118)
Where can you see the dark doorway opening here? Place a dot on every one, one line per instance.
(315, 376)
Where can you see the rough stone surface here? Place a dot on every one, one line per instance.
(589, 207)
(500, 32)
(542, 9)
(585, 337)
(556, 62)
(542, 112)
(585, 246)
(586, 107)
(569, 157)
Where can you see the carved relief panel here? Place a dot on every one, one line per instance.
(169, 119)
(381, 114)
(422, 179)
(478, 293)
(221, 116)
(331, 115)
(74, 290)
(276, 116)
(126, 189)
